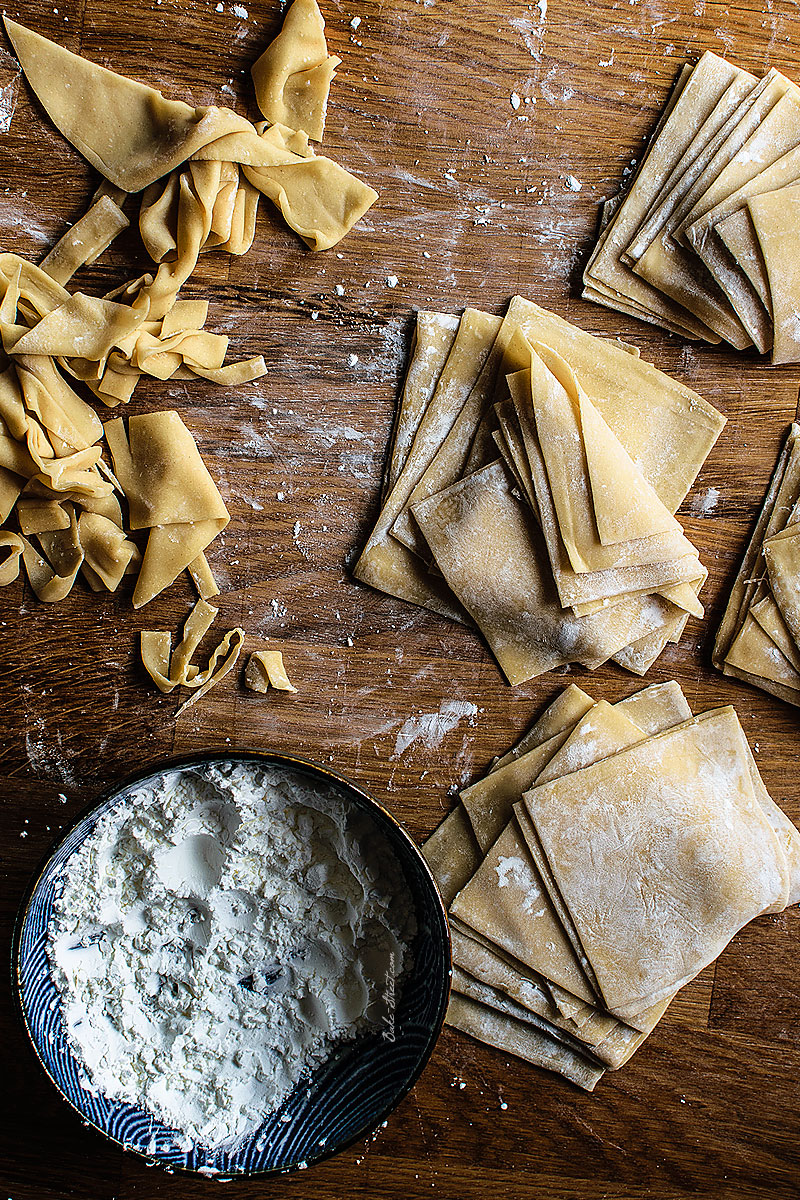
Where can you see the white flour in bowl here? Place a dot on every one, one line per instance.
(216, 935)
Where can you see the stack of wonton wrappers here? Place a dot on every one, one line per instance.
(531, 489)
(600, 866)
(706, 241)
(759, 637)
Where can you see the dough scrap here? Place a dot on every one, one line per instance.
(172, 668)
(265, 670)
(514, 1037)
(293, 76)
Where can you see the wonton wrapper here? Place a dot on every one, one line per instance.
(493, 559)
(535, 1047)
(775, 217)
(669, 867)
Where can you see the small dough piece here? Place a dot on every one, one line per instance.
(203, 577)
(86, 240)
(155, 646)
(41, 516)
(228, 652)
(52, 574)
(265, 670)
(168, 669)
(107, 552)
(293, 76)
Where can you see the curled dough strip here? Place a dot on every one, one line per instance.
(169, 670)
(11, 549)
(292, 78)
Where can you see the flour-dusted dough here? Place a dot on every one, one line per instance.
(568, 706)
(385, 562)
(782, 556)
(434, 334)
(700, 96)
(751, 642)
(265, 670)
(473, 344)
(161, 472)
(293, 76)
(500, 1030)
(492, 557)
(453, 851)
(172, 668)
(670, 867)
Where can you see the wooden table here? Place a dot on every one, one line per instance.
(474, 206)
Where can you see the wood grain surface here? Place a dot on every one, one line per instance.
(473, 207)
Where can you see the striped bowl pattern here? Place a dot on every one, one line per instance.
(342, 1101)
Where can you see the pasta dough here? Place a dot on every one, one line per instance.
(543, 549)
(757, 638)
(265, 670)
(134, 136)
(703, 241)
(293, 76)
(172, 668)
(629, 864)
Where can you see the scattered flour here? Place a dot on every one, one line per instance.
(217, 934)
(431, 728)
(705, 502)
(9, 91)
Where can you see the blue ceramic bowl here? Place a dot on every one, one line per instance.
(342, 1101)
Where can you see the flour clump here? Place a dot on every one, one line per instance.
(218, 933)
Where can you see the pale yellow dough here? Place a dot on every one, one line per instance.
(265, 670)
(134, 136)
(293, 76)
(679, 870)
(172, 668)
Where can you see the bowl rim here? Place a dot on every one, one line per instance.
(187, 761)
